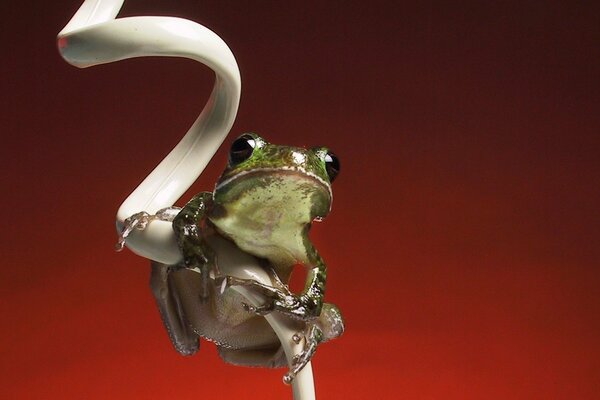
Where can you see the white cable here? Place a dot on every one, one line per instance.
(93, 36)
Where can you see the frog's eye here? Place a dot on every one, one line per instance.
(241, 149)
(332, 165)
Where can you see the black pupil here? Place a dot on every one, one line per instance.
(241, 149)
(332, 166)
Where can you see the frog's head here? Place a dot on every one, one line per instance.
(269, 192)
(264, 175)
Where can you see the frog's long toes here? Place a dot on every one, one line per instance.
(221, 284)
(137, 221)
(300, 361)
(288, 378)
(258, 310)
(297, 338)
(297, 358)
(168, 213)
(120, 244)
(233, 281)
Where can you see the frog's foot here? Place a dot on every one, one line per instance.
(303, 307)
(140, 221)
(329, 325)
(312, 338)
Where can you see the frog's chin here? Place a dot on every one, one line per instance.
(299, 195)
(294, 172)
(267, 214)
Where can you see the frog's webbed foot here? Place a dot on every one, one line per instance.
(141, 220)
(329, 325)
(326, 325)
(304, 307)
(312, 338)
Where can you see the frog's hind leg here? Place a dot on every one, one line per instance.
(170, 304)
(270, 357)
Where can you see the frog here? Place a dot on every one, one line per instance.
(262, 208)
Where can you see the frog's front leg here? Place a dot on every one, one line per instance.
(141, 219)
(188, 225)
(306, 306)
(168, 288)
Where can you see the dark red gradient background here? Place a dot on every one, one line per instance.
(463, 243)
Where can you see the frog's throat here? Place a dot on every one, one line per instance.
(299, 170)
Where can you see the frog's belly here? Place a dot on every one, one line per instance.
(222, 319)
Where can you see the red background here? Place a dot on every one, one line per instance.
(463, 244)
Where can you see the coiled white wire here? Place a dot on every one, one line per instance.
(93, 36)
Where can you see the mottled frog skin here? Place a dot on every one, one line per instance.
(262, 208)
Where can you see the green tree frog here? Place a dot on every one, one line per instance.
(263, 206)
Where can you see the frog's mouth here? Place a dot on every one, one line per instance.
(292, 194)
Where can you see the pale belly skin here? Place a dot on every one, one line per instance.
(192, 309)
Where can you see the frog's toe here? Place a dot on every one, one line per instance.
(224, 282)
(136, 221)
(258, 310)
(298, 363)
(141, 219)
(296, 338)
(312, 338)
(167, 214)
(221, 284)
(297, 359)
(302, 308)
(288, 378)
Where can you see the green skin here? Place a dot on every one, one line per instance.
(265, 205)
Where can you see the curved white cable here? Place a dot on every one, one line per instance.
(93, 36)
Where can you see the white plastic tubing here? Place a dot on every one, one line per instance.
(93, 36)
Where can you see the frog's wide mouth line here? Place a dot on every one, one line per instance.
(278, 171)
